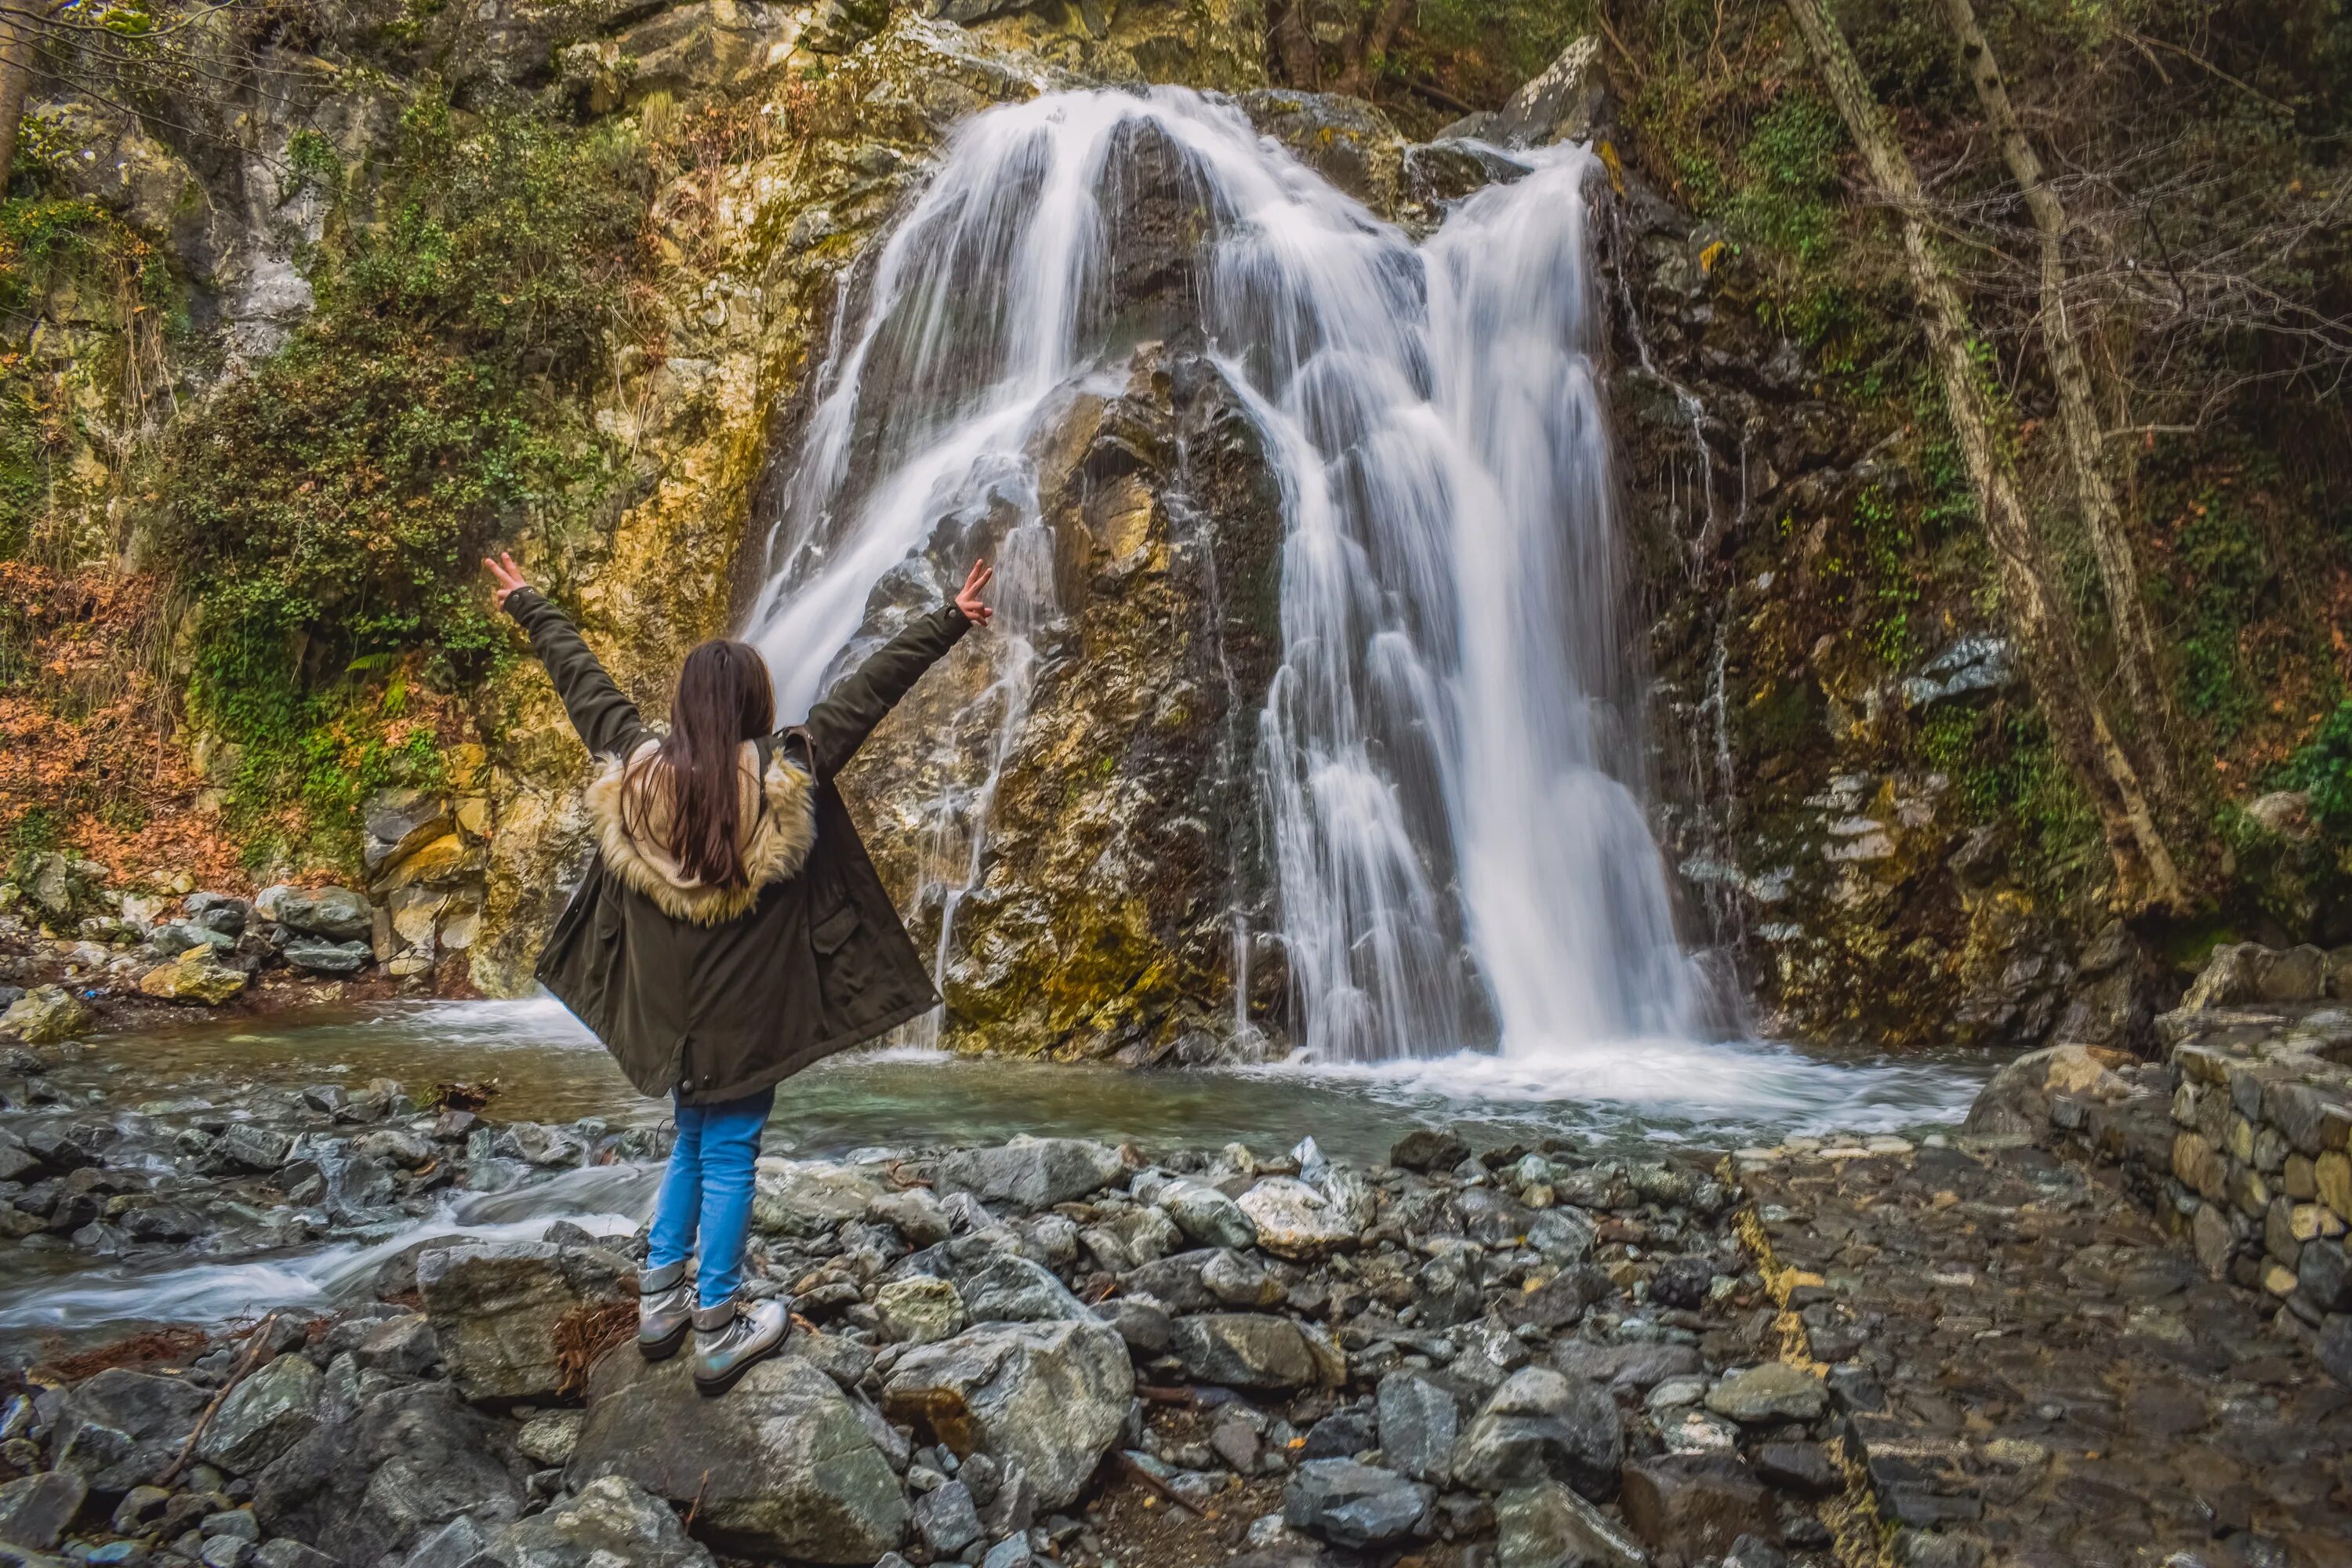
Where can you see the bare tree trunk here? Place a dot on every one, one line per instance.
(1293, 46)
(2103, 517)
(1372, 42)
(2047, 639)
(19, 38)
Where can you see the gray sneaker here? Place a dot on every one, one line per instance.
(729, 1337)
(664, 1310)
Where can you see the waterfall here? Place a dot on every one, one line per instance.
(1450, 753)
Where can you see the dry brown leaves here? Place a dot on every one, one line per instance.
(90, 729)
(586, 1333)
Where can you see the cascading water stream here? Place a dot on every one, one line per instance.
(1451, 750)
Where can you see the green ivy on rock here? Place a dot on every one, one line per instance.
(329, 508)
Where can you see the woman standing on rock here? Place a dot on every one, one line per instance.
(730, 930)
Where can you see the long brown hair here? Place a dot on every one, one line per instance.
(724, 698)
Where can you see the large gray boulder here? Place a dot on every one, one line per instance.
(1048, 1397)
(116, 1429)
(1420, 1424)
(611, 1522)
(805, 1198)
(1031, 1172)
(263, 1417)
(36, 1510)
(1298, 1221)
(1255, 1349)
(1205, 1215)
(334, 914)
(1010, 1289)
(782, 1466)
(1560, 104)
(1542, 1425)
(1354, 1505)
(495, 1309)
(403, 1464)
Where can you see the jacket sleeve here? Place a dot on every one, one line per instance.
(607, 720)
(839, 724)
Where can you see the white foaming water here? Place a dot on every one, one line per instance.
(1449, 750)
(1713, 1089)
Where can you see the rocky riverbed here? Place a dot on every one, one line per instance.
(1054, 1349)
(368, 1341)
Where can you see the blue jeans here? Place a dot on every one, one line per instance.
(708, 1187)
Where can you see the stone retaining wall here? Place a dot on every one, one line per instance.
(2240, 1140)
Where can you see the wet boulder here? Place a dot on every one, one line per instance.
(249, 1146)
(331, 914)
(402, 1463)
(1131, 1237)
(403, 1345)
(1255, 1349)
(1541, 1425)
(917, 1216)
(399, 1147)
(1050, 1398)
(1429, 1149)
(782, 1466)
(497, 1309)
(222, 912)
(1031, 1174)
(1355, 1505)
(46, 1014)
(263, 1417)
(116, 1429)
(610, 1521)
(1141, 1322)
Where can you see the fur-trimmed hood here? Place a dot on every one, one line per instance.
(775, 828)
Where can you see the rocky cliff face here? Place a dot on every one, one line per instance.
(1831, 846)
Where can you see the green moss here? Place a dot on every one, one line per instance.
(37, 829)
(2322, 768)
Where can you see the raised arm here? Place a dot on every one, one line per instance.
(839, 724)
(607, 720)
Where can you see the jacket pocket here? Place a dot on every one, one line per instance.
(827, 935)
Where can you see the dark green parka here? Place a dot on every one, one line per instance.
(710, 996)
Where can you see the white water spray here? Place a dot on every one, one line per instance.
(1450, 751)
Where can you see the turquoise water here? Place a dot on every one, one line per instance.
(545, 1066)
